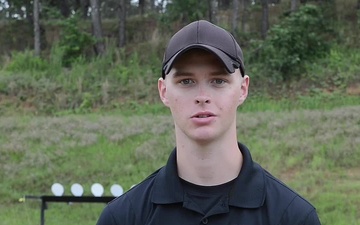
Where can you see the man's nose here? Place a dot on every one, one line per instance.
(202, 96)
(202, 100)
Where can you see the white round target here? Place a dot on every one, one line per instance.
(116, 190)
(57, 189)
(97, 190)
(77, 190)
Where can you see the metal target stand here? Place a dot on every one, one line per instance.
(67, 199)
(97, 198)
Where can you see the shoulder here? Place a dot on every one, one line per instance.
(287, 205)
(123, 209)
(280, 204)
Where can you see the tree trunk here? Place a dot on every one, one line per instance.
(245, 14)
(358, 13)
(152, 5)
(265, 18)
(224, 4)
(29, 13)
(213, 11)
(84, 8)
(122, 23)
(62, 5)
(142, 7)
(235, 16)
(37, 47)
(64, 8)
(293, 5)
(97, 28)
(81, 7)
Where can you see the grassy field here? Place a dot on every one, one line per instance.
(312, 144)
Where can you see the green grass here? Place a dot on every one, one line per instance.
(311, 144)
(254, 103)
(301, 102)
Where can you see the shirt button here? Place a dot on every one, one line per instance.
(205, 221)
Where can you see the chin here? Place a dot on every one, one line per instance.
(203, 138)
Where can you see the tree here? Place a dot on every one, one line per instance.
(213, 8)
(37, 47)
(245, 14)
(235, 16)
(122, 23)
(265, 18)
(142, 6)
(293, 5)
(97, 28)
(29, 12)
(185, 11)
(224, 4)
(152, 5)
(62, 5)
(83, 7)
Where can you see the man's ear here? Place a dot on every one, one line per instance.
(162, 91)
(244, 89)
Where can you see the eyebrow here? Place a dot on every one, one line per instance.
(213, 73)
(182, 74)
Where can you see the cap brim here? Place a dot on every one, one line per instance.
(228, 62)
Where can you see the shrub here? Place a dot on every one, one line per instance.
(25, 61)
(337, 70)
(300, 37)
(74, 41)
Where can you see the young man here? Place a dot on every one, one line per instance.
(209, 178)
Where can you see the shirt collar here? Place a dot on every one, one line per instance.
(249, 187)
(167, 185)
(248, 190)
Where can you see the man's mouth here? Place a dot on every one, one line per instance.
(203, 115)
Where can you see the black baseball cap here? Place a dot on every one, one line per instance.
(204, 35)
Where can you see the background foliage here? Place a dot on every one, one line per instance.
(61, 112)
(300, 37)
(304, 53)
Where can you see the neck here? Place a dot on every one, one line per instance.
(209, 164)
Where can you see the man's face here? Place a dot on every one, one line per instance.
(202, 96)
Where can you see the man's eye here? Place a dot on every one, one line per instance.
(186, 81)
(218, 81)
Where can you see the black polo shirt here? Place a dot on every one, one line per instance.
(256, 198)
